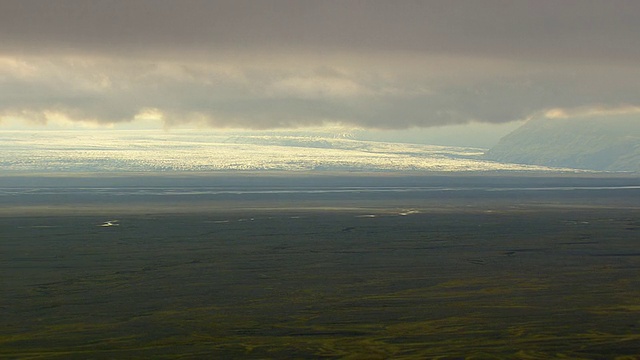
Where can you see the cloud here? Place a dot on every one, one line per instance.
(316, 87)
(374, 64)
(258, 96)
(591, 111)
(542, 29)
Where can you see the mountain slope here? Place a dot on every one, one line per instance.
(595, 143)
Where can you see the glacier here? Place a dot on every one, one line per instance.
(207, 150)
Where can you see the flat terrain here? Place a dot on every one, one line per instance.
(532, 276)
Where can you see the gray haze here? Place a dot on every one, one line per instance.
(287, 64)
(591, 142)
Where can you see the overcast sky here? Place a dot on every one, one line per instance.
(278, 64)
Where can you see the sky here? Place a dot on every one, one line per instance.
(464, 71)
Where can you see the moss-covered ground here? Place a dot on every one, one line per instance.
(531, 283)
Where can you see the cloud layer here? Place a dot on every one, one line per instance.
(375, 64)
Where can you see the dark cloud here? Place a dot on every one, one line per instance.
(539, 29)
(264, 64)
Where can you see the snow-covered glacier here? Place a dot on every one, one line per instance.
(193, 150)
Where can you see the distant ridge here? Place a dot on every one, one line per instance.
(609, 143)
